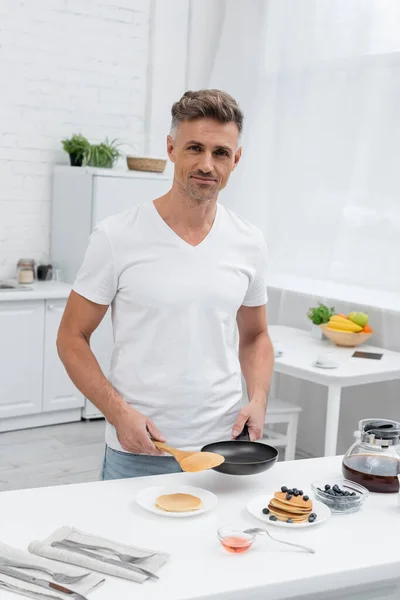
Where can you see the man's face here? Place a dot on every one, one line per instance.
(205, 152)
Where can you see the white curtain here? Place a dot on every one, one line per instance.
(319, 82)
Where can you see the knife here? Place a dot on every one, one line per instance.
(108, 561)
(23, 592)
(41, 582)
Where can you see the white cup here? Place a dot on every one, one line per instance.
(326, 359)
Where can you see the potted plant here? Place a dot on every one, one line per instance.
(318, 315)
(103, 155)
(76, 147)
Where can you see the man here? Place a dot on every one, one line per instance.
(180, 273)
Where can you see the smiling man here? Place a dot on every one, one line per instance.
(182, 273)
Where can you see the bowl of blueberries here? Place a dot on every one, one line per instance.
(342, 496)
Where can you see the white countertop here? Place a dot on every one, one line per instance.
(39, 290)
(351, 550)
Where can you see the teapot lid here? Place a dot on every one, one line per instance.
(380, 431)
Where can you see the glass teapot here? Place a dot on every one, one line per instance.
(374, 460)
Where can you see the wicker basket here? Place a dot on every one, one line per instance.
(345, 338)
(137, 163)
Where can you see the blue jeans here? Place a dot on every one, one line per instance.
(122, 465)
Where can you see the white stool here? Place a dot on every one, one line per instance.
(279, 411)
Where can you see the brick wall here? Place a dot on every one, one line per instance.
(66, 66)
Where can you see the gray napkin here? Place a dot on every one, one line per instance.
(86, 585)
(44, 548)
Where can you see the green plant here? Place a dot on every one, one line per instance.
(320, 314)
(77, 145)
(102, 155)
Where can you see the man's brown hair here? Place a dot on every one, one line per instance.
(206, 104)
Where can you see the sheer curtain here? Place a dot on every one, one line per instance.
(319, 82)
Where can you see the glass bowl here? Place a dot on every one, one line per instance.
(235, 540)
(341, 504)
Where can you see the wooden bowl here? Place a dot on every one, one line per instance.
(345, 338)
(141, 163)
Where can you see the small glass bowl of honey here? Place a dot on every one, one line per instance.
(235, 540)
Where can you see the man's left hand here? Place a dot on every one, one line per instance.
(254, 415)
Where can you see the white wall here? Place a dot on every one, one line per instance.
(65, 67)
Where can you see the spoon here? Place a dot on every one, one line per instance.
(192, 461)
(259, 531)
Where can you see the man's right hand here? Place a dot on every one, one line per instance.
(134, 431)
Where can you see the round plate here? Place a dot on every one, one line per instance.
(147, 499)
(325, 365)
(256, 505)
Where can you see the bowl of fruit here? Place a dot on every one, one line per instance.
(351, 330)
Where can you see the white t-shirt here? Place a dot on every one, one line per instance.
(174, 311)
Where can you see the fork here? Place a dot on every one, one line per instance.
(259, 531)
(58, 577)
(128, 558)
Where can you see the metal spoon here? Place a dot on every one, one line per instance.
(259, 531)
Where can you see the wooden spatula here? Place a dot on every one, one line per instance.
(192, 461)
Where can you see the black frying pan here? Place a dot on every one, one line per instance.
(243, 457)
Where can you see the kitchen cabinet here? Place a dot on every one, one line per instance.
(21, 358)
(35, 390)
(59, 393)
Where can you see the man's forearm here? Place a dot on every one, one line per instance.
(85, 372)
(256, 357)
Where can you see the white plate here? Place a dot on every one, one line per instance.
(325, 365)
(256, 505)
(147, 499)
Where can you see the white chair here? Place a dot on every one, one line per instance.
(279, 411)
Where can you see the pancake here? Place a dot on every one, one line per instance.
(178, 502)
(295, 501)
(287, 508)
(296, 509)
(284, 516)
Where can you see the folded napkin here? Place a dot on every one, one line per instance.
(86, 585)
(45, 548)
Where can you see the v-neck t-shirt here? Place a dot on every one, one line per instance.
(174, 306)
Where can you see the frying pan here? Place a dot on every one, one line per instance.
(243, 457)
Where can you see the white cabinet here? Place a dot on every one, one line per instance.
(35, 389)
(59, 393)
(21, 358)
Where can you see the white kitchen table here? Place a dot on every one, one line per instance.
(300, 350)
(356, 555)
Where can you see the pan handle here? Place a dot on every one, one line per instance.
(244, 436)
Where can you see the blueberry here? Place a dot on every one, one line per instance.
(296, 493)
(353, 494)
(306, 498)
(311, 519)
(347, 493)
(265, 511)
(289, 521)
(313, 515)
(295, 490)
(327, 487)
(301, 492)
(284, 489)
(290, 491)
(288, 496)
(273, 518)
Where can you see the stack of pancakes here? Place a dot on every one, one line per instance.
(297, 509)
